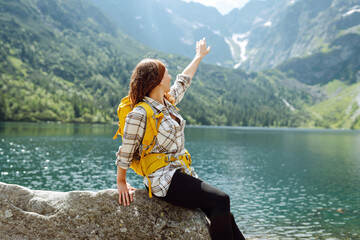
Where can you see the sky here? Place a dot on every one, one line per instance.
(223, 6)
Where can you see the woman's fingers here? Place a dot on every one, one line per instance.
(201, 48)
(120, 199)
(130, 188)
(124, 198)
(125, 202)
(131, 196)
(124, 190)
(201, 42)
(127, 199)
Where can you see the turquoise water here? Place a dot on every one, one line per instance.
(283, 183)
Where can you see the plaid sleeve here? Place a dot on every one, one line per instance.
(133, 134)
(178, 90)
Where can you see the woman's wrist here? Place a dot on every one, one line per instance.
(198, 56)
(120, 181)
(121, 175)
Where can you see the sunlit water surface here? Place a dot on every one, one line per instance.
(283, 183)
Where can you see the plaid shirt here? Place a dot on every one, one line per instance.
(170, 138)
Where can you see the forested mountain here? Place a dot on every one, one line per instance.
(61, 61)
(300, 28)
(170, 26)
(315, 42)
(261, 35)
(64, 60)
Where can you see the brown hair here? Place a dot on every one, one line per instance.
(146, 76)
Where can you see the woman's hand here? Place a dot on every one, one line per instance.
(125, 193)
(201, 49)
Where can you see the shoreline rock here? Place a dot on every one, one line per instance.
(37, 214)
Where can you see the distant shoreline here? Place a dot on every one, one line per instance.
(201, 126)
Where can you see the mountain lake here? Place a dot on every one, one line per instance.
(283, 183)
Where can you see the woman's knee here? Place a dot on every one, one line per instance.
(223, 202)
(226, 200)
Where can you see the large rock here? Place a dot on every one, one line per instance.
(34, 214)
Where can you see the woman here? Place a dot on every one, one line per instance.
(174, 183)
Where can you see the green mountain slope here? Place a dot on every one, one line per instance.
(341, 109)
(61, 61)
(338, 60)
(336, 70)
(65, 61)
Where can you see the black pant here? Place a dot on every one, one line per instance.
(190, 192)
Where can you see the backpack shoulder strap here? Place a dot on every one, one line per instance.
(152, 126)
(152, 123)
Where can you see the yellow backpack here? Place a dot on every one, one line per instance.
(151, 162)
(152, 126)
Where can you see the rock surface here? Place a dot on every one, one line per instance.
(34, 214)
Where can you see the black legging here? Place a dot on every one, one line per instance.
(190, 192)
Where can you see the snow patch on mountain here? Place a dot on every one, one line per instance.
(352, 11)
(288, 104)
(232, 49)
(268, 24)
(237, 44)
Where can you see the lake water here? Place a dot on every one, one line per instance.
(283, 183)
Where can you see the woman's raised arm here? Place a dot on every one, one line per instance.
(201, 51)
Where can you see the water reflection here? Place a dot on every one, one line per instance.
(300, 184)
(283, 183)
(53, 129)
